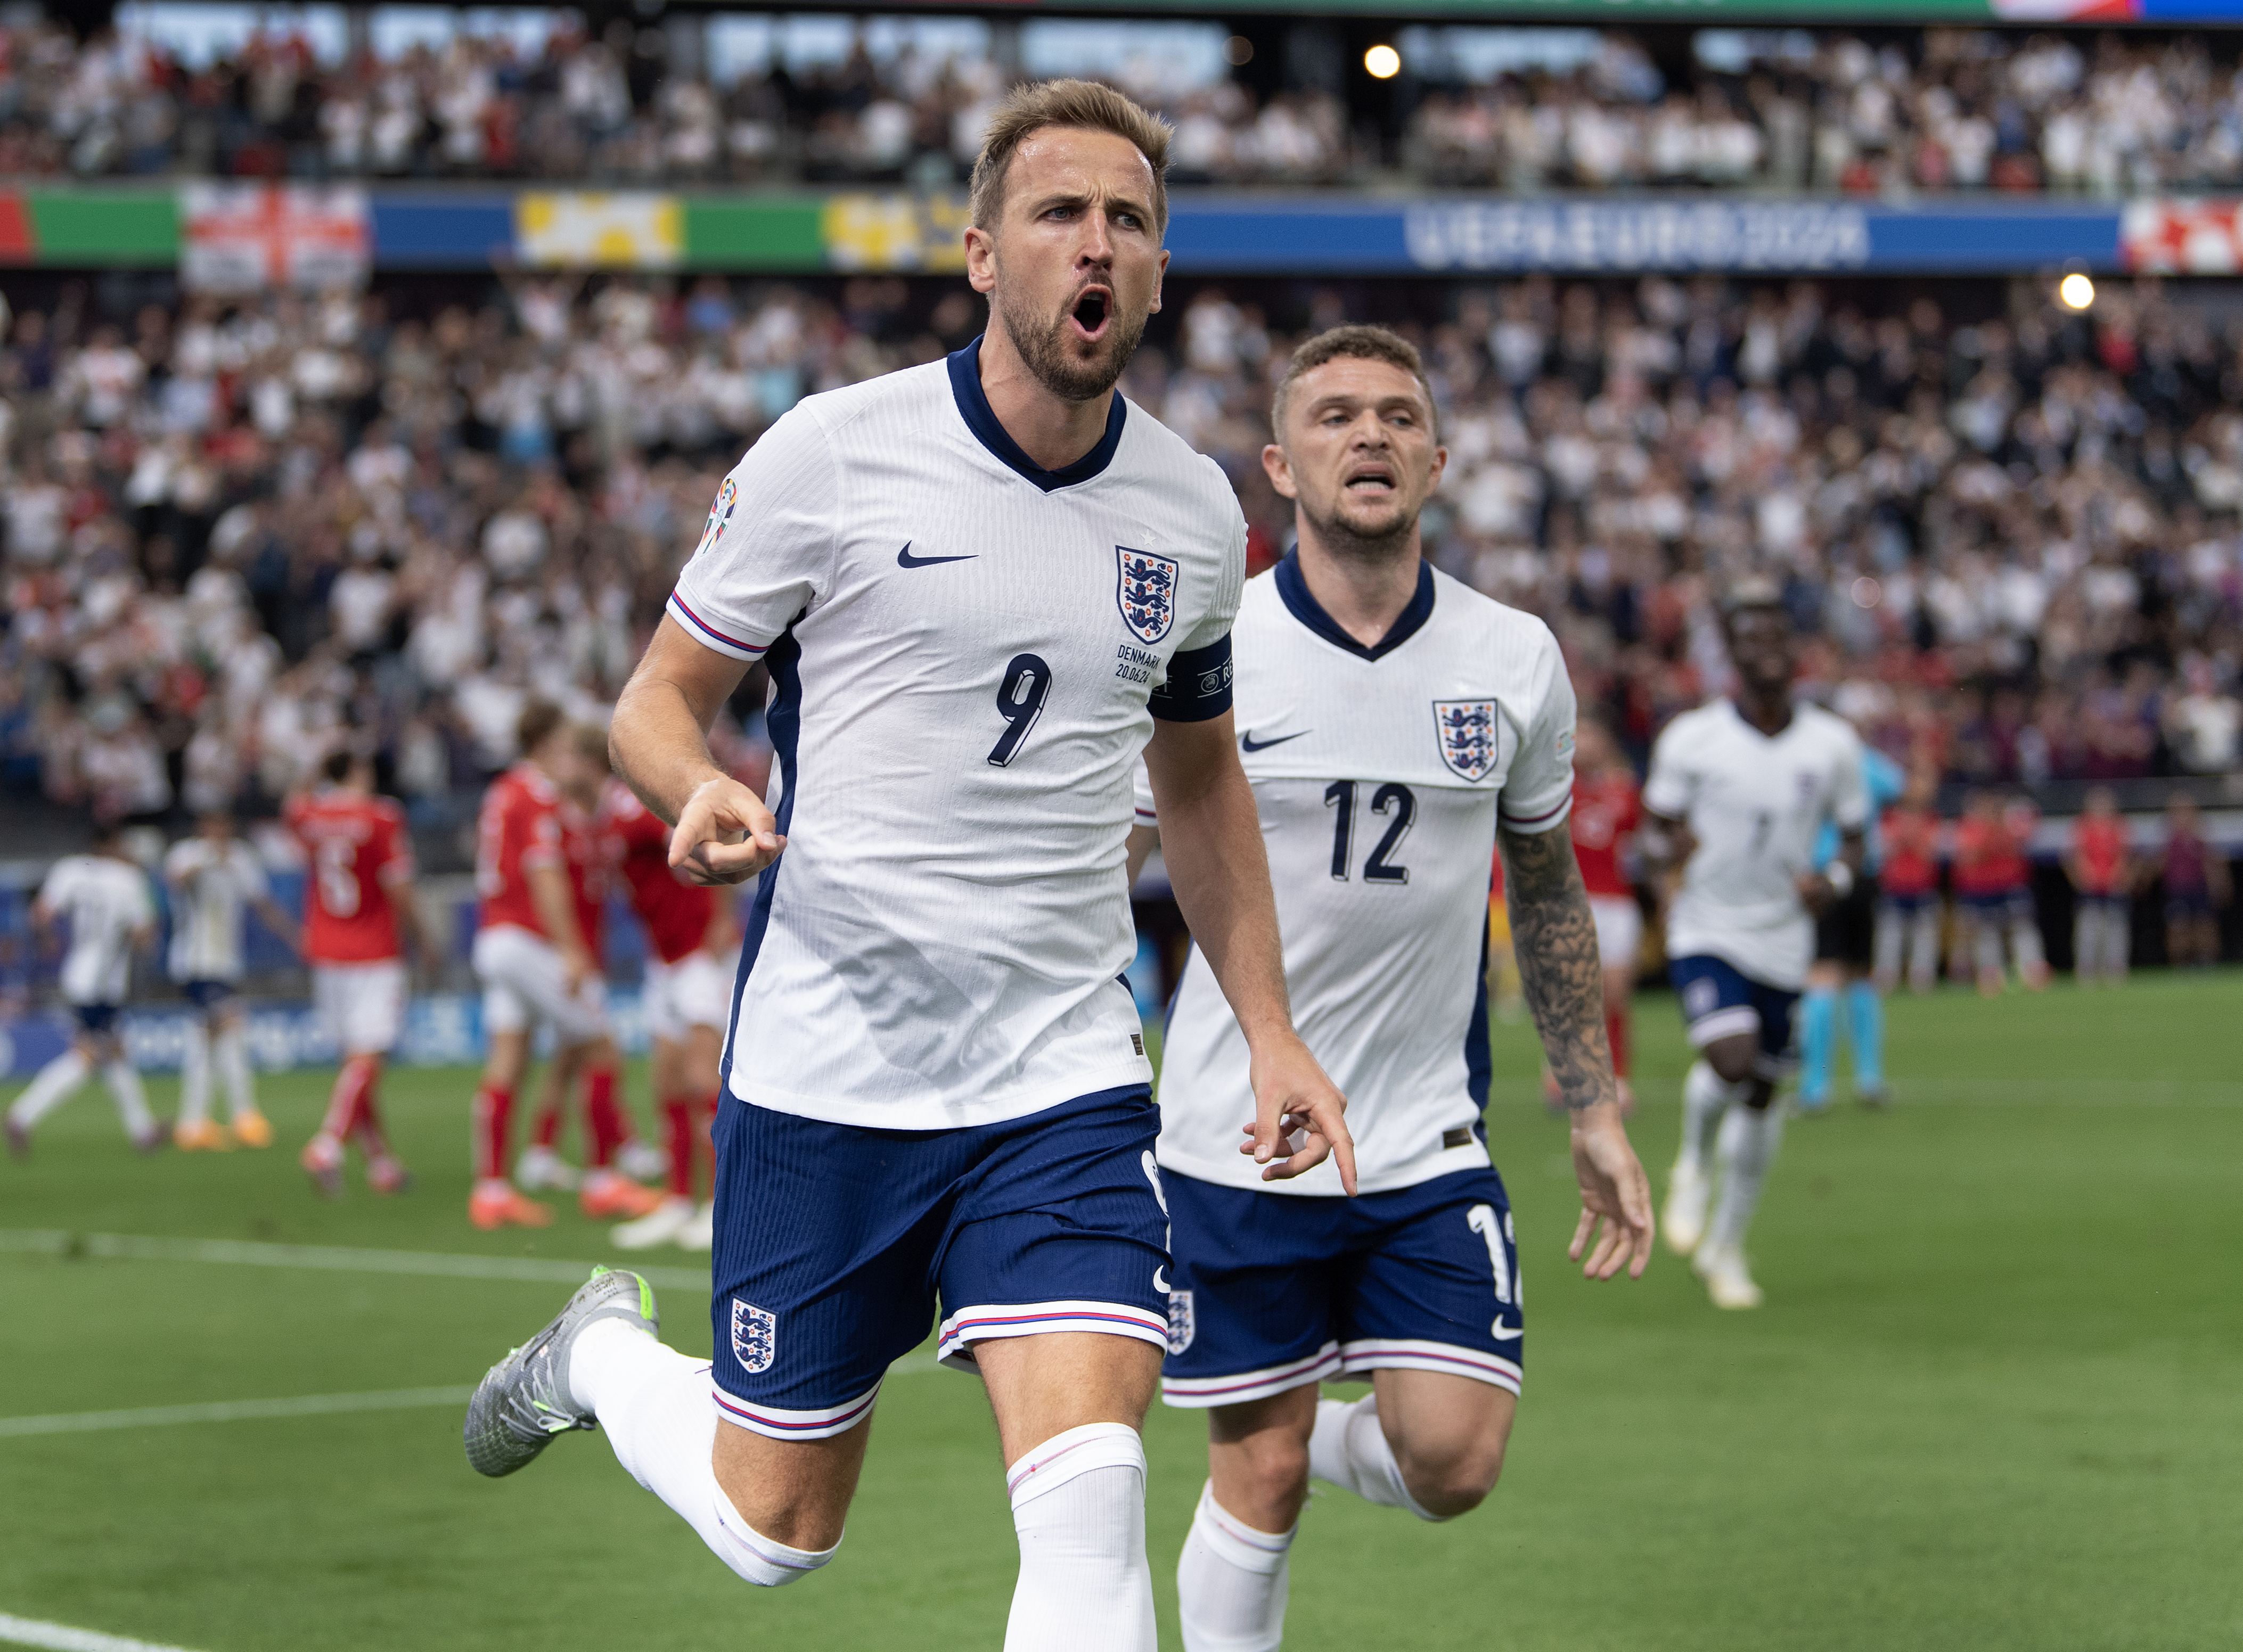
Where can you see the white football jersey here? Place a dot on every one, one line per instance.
(210, 884)
(1380, 775)
(966, 655)
(105, 902)
(1756, 805)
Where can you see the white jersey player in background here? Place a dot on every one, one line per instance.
(1395, 724)
(1739, 791)
(984, 588)
(103, 897)
(214, 877)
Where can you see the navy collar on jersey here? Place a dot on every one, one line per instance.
(1294, 588)
(981, 419)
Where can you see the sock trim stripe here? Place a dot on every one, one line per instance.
(1236, 1387)
(1395, 1354)
(1722, 1024)
(752, 1540)
(1110, 1445)
(1267, 1542)
(794, 1424)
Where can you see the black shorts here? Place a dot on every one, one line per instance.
(1847, 931)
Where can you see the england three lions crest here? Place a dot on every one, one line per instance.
(1466, 729)
(755, 1337)
(1146, 592)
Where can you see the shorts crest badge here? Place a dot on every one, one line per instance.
(1182, 1326)
(755, 1337)
(1467, 732)
(1146, 592)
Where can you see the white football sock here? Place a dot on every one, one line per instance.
(195, 1077)
(1079, 1508)
(131, 1101)
(1230, 1583)
(233, 1047)
(1749, 1139)
(1705, 1097)
(1347, 1448)
(654, 1404)
(56, 1083)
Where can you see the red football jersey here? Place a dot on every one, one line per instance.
(1989, 857)
(2100, 845)
(591, 859)
(356, 850)
(1909, 838)
(676, 913)
(1606, 809)
(519, 829)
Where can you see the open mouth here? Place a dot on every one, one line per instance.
(1091, 311)
(1366, 482)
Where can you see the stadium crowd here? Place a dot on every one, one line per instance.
(234, 528)
(1951, 109)
(610, 109)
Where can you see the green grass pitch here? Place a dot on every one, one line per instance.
(1995, 1401)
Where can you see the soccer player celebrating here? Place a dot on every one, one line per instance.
(105, 899)
(359, 916)
(980, 585)
(1739, 790)
(2101, 868)
(537, 963)
(692, 944)
(212, 876)
(1394, 723)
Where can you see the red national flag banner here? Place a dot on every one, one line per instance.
(18, 244)
(243, 237)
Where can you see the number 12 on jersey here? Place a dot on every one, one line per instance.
(1393, 798)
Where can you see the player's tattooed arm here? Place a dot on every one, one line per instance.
(1555, 940)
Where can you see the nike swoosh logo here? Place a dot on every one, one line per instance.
(1160, 1280)
(904, 559)
(1252, 744)
(1503, 1332)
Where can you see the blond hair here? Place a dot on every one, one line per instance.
(1083, 105)
(1355, 342)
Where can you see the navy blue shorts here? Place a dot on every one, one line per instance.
(1274, 1291)
(207, 994)
(835, 1242)
(95, 1018)
(1719, 1000)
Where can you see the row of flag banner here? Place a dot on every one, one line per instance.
(240, 237)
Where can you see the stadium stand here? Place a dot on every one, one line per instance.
(230, 534)
(1937, 110)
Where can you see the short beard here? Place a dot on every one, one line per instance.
(1371, 550)
(1042, 346)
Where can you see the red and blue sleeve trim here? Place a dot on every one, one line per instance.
(739, 648)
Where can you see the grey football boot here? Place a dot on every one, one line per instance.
(523, 1402)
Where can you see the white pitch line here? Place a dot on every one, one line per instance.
(310, 1405)
(61, 1637)
(334, 1258)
